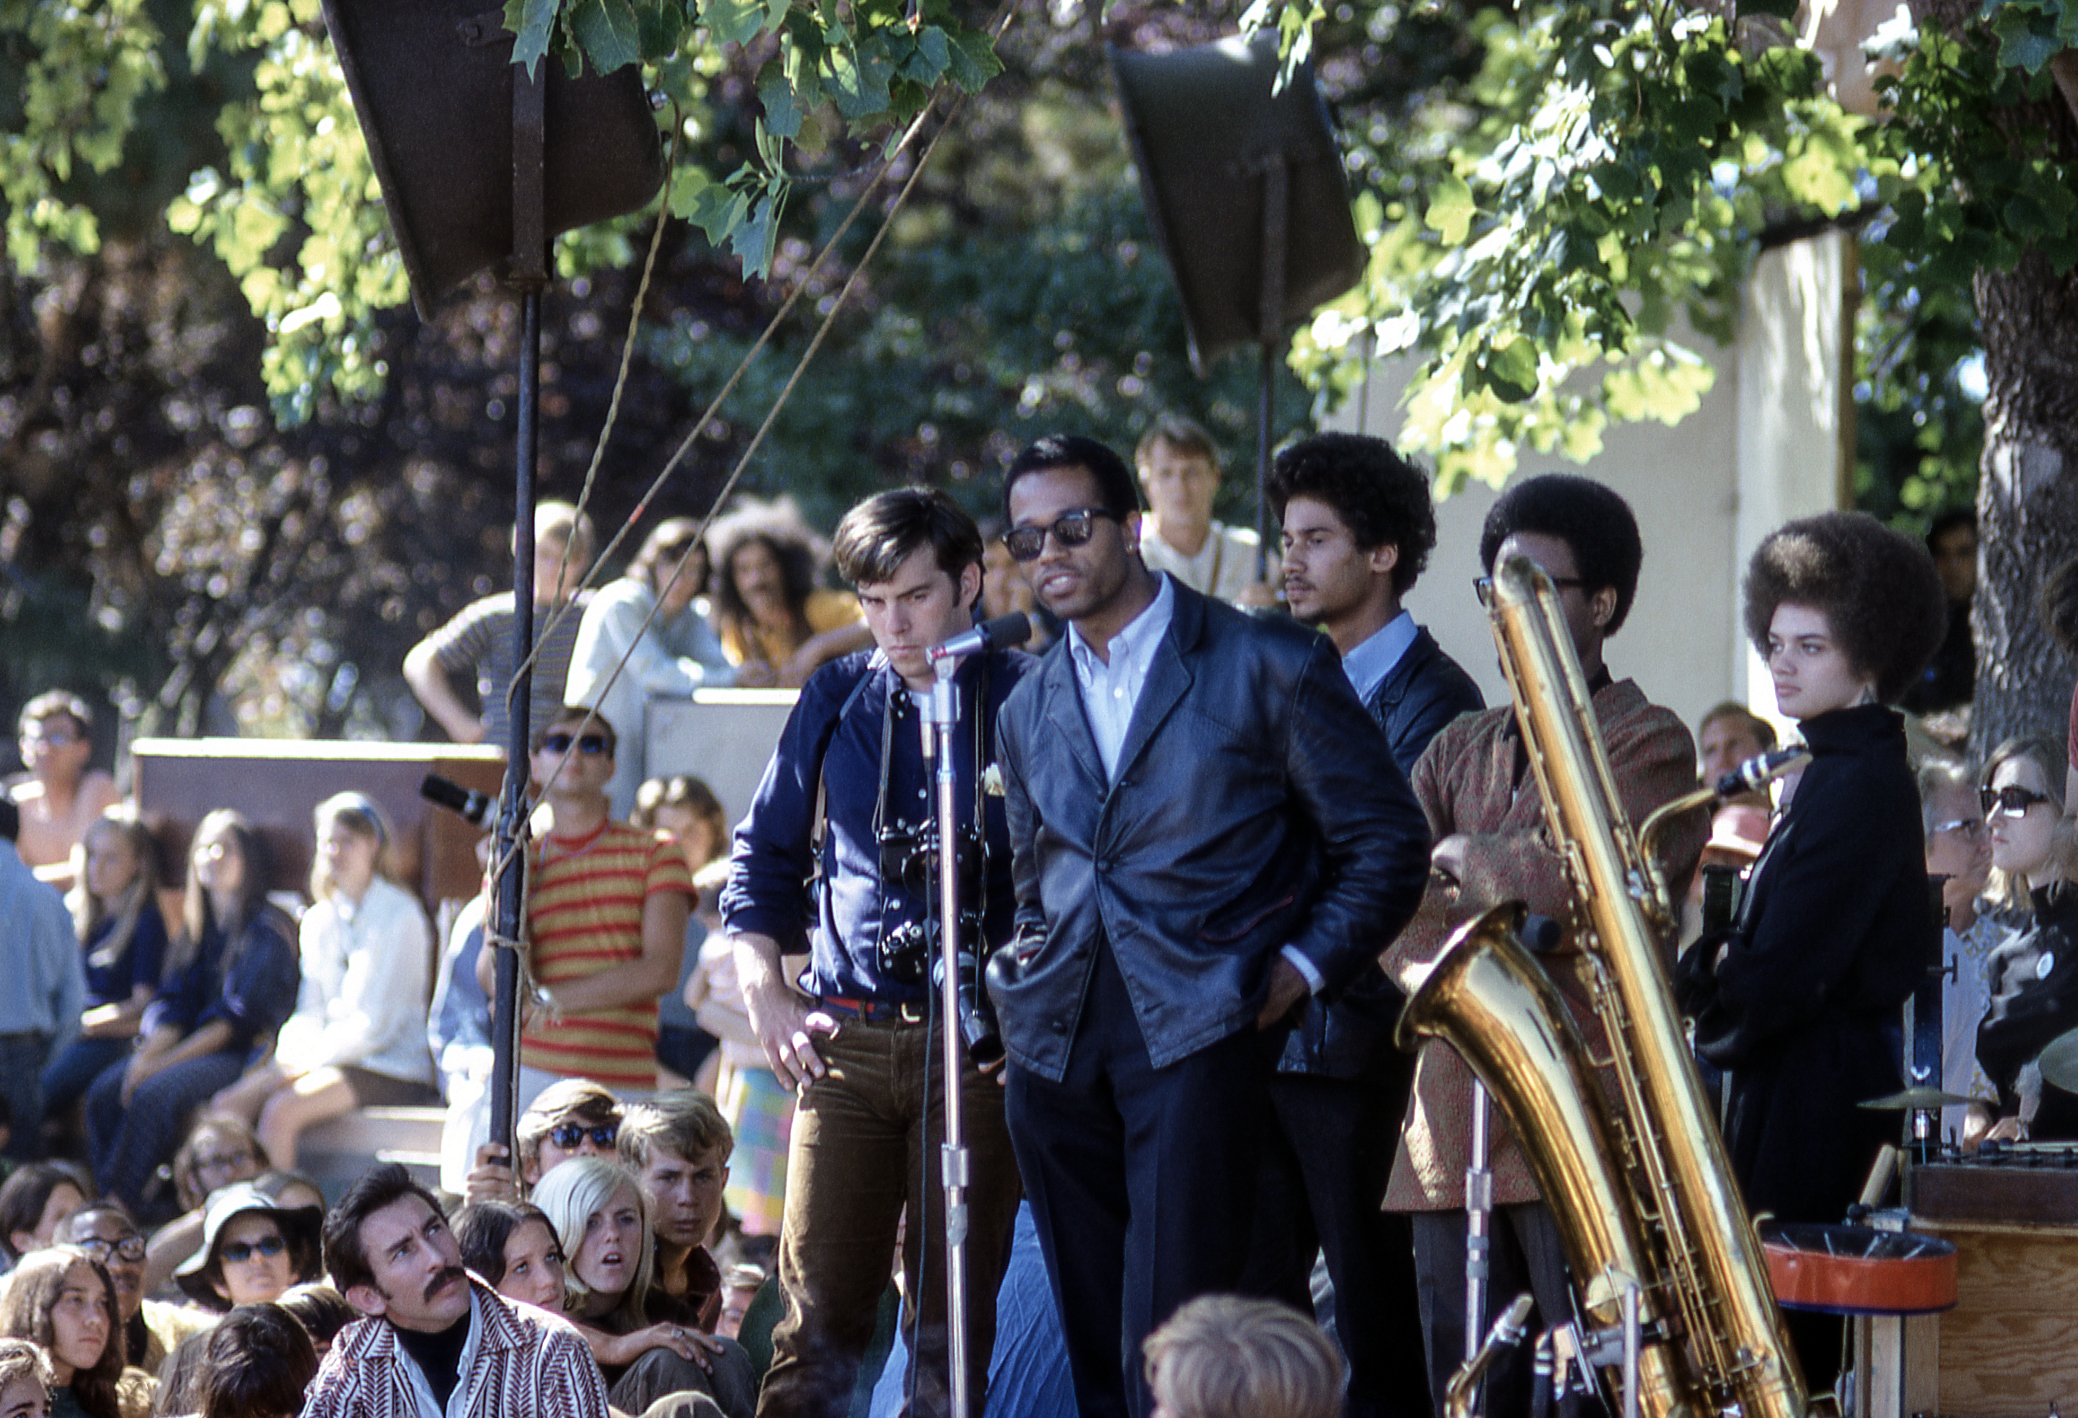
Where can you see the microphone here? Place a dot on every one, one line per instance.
(1756, 773)
(998, 634)
(475, 808)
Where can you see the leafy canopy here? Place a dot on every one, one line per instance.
(1536, 229)
(294, 209)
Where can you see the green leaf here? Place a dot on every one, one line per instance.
(1511, 369)
(608, 31)
(732, 21)
(782, 114)
(1451, 210)
(974, 60)
(2021, 46)
(531, 23)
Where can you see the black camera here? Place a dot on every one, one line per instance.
(908, 955)
(909, 856)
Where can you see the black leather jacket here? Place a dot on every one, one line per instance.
(1424, 691)
(1256, 806)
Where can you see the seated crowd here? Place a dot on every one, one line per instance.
(162, 1254)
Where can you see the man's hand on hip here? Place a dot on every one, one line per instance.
(786, 1028)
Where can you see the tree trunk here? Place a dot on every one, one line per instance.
(2027, 498)
(2027, 488)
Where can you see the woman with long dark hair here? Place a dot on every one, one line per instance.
(63, 1301)
(230, 981)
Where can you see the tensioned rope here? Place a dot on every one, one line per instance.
(998, 23)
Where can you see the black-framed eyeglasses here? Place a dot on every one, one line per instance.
(1971, 827)
(1072, 528)
(130, 1248)
(1483, 586)
(594, 744)
(568, 1135)
(239, 1252)
(2009, 801)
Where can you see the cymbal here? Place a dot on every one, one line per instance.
(2060, 1062)
(1920, 1097)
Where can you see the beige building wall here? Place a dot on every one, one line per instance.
(1766, 445)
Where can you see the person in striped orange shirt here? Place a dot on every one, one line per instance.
(606, 913)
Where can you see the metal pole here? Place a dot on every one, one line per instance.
(1479, 1205)
(1270, 330)
(530, 274)
(954, 1163)
(512, 815)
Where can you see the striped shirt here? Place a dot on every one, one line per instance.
(584, 915)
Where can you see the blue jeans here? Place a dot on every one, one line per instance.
(127, 1144)
(22, 1057)
(67, 1077)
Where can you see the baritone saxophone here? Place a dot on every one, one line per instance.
(1624, 1150)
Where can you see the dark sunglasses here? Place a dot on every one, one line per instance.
(1071, 529)
(2011, 800)
(568, 1135)
(239, 1252)
(130, 1248)
(1970, 827)
(594, 744)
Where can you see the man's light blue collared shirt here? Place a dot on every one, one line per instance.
(1110, 691)
(1369, 663)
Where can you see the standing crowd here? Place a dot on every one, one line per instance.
(1205, 853)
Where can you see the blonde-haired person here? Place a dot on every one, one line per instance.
(1224, 1356)
(2033, 974)
(647, 1345)
(122, 938)
(25, 1380)
(358, 1036)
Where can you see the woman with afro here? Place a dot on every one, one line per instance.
(1835, 927)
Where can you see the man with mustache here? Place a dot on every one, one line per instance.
(433, 1333)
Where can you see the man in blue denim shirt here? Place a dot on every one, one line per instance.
(855, 1039)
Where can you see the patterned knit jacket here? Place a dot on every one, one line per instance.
(526, 1365)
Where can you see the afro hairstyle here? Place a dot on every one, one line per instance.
(1877, 589)
(1591, 519)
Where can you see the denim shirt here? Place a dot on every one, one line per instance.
(834, 738)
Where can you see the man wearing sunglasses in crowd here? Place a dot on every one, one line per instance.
(606, 913)
(1208, 828)
(572, 1118)
(847, 800)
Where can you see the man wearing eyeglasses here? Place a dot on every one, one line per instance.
(1494, 844)
(151, 1329)
(847, 800)
(1208, 828)
(606, 913)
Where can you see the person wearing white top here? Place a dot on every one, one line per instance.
(675, 653)
(1179, 472)
(358, 1036)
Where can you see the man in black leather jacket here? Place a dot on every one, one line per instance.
(1358, 529)
(1206, 827)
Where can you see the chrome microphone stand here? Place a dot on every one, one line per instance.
(941, 714)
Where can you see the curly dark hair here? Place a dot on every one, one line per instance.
(779, 527)
(1588, 517)
(1379, 494)
(1877, 589)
